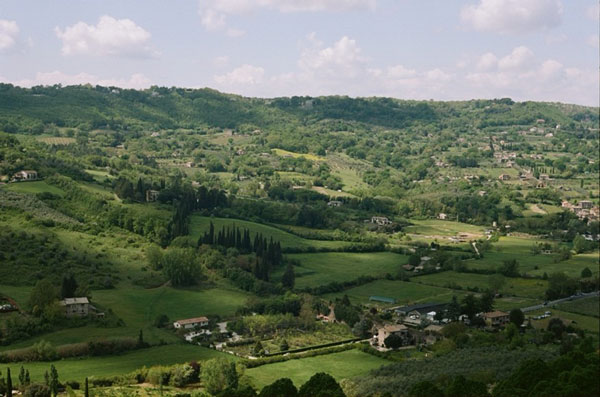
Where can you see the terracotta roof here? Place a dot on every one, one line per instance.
(494, 314)
(394, 327)
(192, 320)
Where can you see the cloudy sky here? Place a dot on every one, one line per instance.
(415, 49)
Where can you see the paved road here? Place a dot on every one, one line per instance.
(554, 302)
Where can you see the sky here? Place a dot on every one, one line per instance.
(543, 50)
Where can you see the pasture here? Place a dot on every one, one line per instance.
(323, 268)
(586, 306)
(34, 187)
(521, 287)
(434, 228)
(405, 293)
(201, 224)
(56, 140)
(587, 323)
(341, 365)
(79, 369)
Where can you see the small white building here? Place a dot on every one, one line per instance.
(26, 175)
(442, 216)
(191, 323)
(380, 220)
(334, 203)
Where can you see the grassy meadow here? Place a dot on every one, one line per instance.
(79, 369)
(341, 365)
(323, 268)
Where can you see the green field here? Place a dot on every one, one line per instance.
(340, 365)
(404, 292)
(323, 268)
(526, 288)
(34, 187)
(138, 308)
(586, 306)
(79, 369)
(434, 227)
(201, 224)
(580, 321)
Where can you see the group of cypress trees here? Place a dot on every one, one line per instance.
(268, 252)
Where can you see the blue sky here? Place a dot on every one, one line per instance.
(413, 49)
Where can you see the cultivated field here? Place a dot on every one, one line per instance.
(340, 365)
(323, 268)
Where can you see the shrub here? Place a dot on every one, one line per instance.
(37, 390)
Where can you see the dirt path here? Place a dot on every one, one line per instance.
(538, 210)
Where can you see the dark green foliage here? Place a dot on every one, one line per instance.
(37, 390)
(586, 273)
(425, 389)
(509, 268)
(560, 286)
(28, 256)
(283, 387)
(288, 278)
(393, 341)
(181, 266)
(321, 385)
(68, 287)
(53, 383)
(9, 385)
(462, 387)
(516, 317)
(572, 375)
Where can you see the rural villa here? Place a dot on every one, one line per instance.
(25, 175)
(189, 323)
(76, 307)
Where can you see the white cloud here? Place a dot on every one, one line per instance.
(593, 40)
(342, 59)
(213, 13)
(8, 34)
(109, 36)
(342, 69)
(137, 80)
(593, 12)
(519, 58)
(512, 16)
(487, 61)
(243, 75)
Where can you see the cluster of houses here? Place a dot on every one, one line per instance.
(420, 324)
(583, 209)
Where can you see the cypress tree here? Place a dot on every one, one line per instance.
(9, 387)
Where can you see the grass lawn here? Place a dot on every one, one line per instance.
(323, 268)
(34, 187)
(138, 308)
(340, 365)
(404, 292)
(584, 322)
(434, 227)
(79, 369)
(201, 224)
(586, 306)
(308, 156)
(525, 288)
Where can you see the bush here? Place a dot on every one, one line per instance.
(37, 390)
